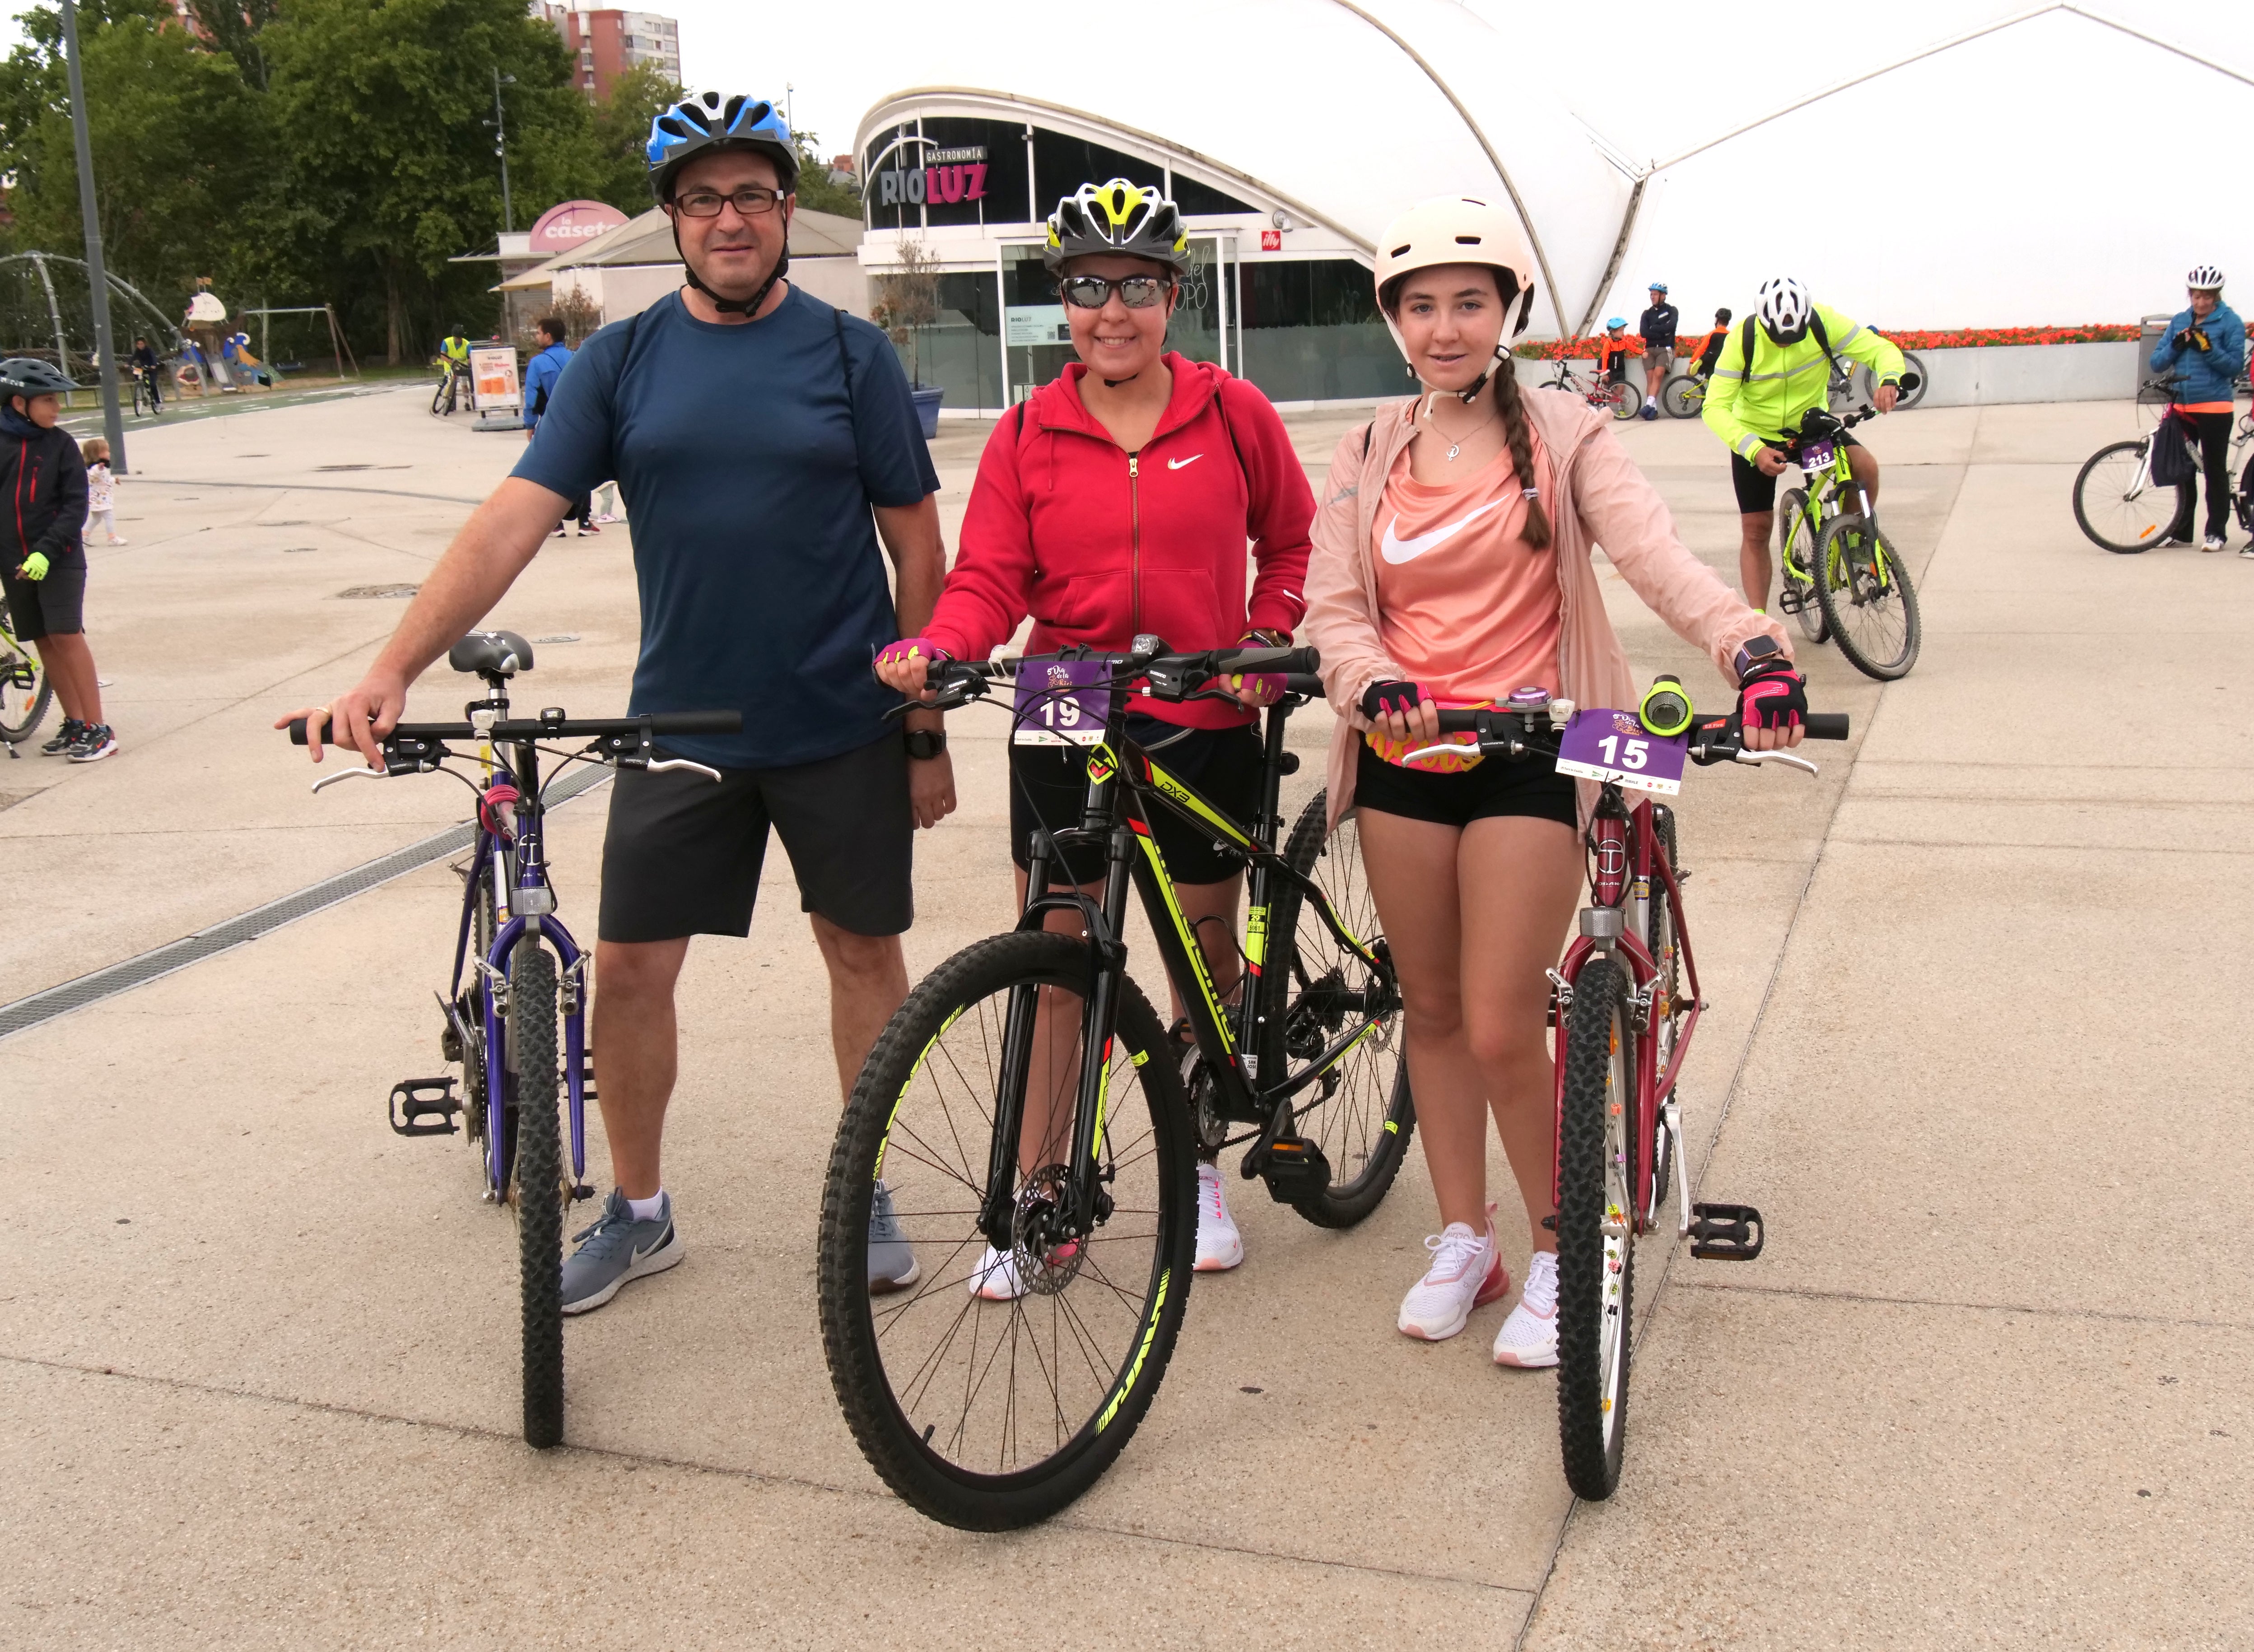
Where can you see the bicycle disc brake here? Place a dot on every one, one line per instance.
(1045, 1265)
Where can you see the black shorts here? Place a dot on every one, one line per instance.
(1757, 492)
(682, 853)
(52, 606)
(1529, 788)
(1049, 783)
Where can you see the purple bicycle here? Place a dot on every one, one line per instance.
(515, 968)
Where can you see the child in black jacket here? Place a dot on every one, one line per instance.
(42, 498)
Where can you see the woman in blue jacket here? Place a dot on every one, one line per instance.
(2205, 346)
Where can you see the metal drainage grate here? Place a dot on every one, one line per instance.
(28, 1012)
(379, 590)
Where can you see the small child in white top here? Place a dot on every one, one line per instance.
(101, 489)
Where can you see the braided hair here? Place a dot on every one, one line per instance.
(1515, 432)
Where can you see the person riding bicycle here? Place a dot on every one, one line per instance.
(1774, 370)
(1118, 498)
(1614, 350)
(147, 367)
(1657, 327)
(454, 349)
(1452, 567)
(2205, 346)
(762, 591)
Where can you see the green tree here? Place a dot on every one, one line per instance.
(815, 192)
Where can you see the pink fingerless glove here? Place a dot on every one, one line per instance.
(911, 648)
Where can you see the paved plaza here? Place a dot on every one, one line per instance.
(1974, 1050)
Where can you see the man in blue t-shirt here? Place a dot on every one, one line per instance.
(764, 444)
(541, 376)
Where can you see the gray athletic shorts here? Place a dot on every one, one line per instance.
(682, 853)
(1659, 355)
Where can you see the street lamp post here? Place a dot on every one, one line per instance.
(112, 420)
(501, 149)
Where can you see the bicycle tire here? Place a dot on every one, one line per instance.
(1120, 1339)
(2100, 494)
(1624, 401)
(22, 708)
(1683, 397)
(1911, 397)
(1365, 1114)
(1856, 601)
(1596, 1268)
(1795, 541)
(437, 396)
(538, 1188)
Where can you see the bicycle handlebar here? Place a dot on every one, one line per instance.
(1169, 676)
(555, 728)
(1712, 740)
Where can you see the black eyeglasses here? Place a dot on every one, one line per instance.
(1093, 292)
(749, 201)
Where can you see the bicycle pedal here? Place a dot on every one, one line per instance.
(414, 1100)
(1725, 1233)
(1787, 600)
(1295, 1170)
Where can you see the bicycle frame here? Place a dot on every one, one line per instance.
(1824, 502)
(513, 863)
(1626, 871)
(1122, 779)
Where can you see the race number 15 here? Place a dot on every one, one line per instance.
(1627, 754)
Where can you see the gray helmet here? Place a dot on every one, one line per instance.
(28, 376)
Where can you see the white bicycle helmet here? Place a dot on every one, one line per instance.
(2204, 278)
(1458, 229)
(1785, 309)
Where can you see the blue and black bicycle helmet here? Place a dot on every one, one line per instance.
(704, 123)
(707, 121)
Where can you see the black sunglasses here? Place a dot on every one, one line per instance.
(1093, 292)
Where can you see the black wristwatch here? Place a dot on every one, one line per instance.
(1759, 651)
(925, 744)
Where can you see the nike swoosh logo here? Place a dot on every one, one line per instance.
(1397, 551)
(1176, 463)
(656, 1245)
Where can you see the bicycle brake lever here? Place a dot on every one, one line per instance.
(352, 774)
(1758, 757)
(657, 764)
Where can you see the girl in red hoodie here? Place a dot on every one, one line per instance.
(1120, 499)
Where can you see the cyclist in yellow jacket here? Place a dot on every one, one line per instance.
(1771, 371)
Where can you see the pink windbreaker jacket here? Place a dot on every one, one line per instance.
(1597, 498)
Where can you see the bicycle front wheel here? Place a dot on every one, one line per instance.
(1867, 598)
(537, 1190)
(1326, 1002)
(2116, 502)
(1796, 555)
(1682, 397)
(991, 1387)
(24, 691)
(1596, 1244)
(438, 400)
(1624, 401)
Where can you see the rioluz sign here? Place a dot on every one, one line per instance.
(947, 178)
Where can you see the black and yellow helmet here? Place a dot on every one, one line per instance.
(1117, 217)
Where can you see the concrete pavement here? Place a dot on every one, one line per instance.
(1985, 1386)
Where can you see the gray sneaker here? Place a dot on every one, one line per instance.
(892, 1265)
(617, 1249)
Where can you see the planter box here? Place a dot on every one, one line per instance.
(927, 406)
(2032, 373)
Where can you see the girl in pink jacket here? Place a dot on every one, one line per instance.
(1118, 500)
(1451, 566)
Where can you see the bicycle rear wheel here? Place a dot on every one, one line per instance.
(2116, 503)
(1683, 397)
(24, 691)
(537, 1190)
(1867, 598)
(1796, 555)
(1596, 1246)
(1316, 993)
(991, 1414)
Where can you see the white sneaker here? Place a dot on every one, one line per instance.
(2213, 541)
(1220, 1247)
(1466, 1271)
(1529, 1337)
(995, 1278)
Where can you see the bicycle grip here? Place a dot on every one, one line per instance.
(1302, 682)
(1287, 662)
(328, 737)
(697, 723)
(1826, 725)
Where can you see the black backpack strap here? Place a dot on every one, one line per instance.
(1816, 322)
(844, 355)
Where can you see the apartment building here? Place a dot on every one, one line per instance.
(607, 44)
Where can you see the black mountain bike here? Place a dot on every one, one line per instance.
(1036, 1129)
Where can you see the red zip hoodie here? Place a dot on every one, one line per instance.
(1098, 543)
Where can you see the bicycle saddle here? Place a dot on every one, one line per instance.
(495, 653)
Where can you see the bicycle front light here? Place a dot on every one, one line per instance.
(1666, 708)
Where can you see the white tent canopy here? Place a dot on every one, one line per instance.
(2067, 167)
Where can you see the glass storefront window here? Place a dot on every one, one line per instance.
(975, 172)
(1193, 197)
(960, 351)
(888, 153)
(1312, 333)
(1062, 164)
